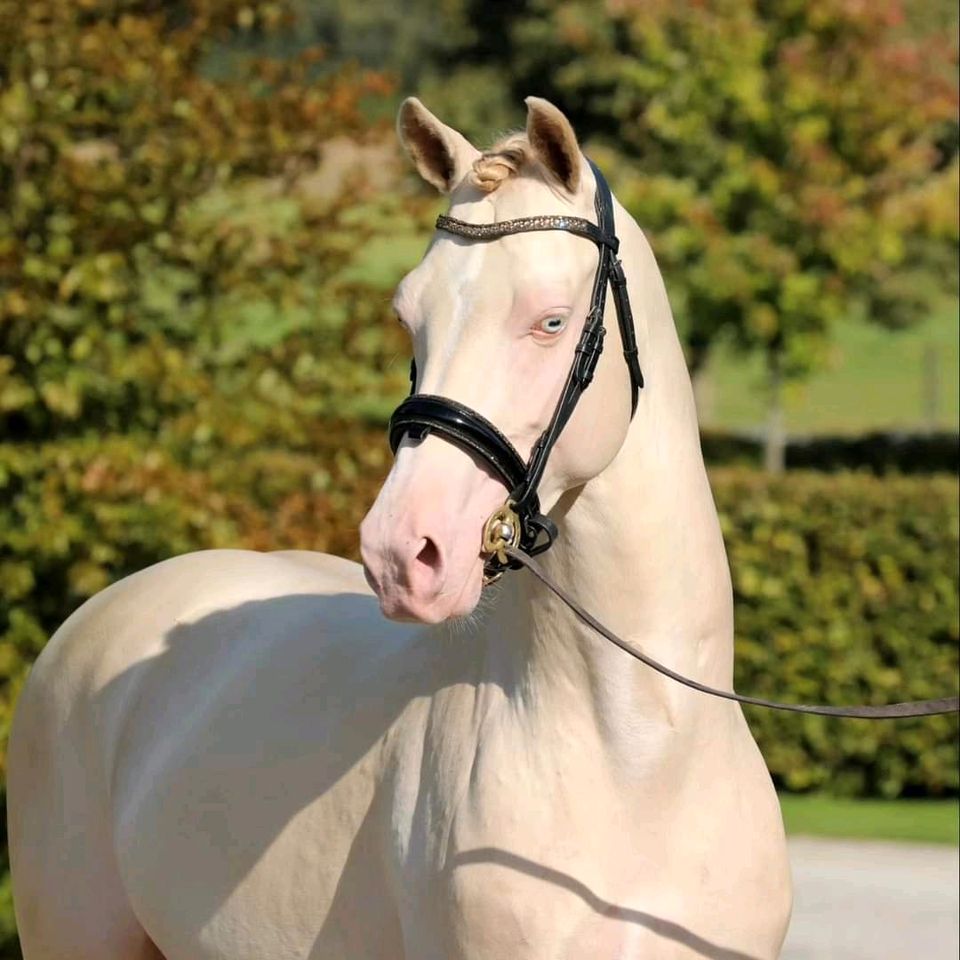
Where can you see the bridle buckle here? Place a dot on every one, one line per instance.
(501, 530)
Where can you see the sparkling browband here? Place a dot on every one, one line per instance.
(494, 231)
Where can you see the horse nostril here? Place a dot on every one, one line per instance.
(429, 555)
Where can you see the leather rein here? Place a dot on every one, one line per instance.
(518, 531)
(888, 711)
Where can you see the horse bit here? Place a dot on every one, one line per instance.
(518, 531)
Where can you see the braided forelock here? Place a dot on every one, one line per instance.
(505, 159)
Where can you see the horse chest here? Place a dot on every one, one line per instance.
(531, 849)
(510, 846)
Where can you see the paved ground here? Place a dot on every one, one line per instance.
(857, 900)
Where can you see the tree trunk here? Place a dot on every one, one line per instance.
(775, 437)
(703, 396)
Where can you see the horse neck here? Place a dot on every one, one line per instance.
(640, 547)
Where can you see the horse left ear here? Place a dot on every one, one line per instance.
(441, 155)
(554, 142)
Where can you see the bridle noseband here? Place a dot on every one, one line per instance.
(519, 522)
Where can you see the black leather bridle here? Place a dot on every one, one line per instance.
(518, 531)
(519, 523)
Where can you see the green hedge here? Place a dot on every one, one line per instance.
(845, 585)
(880, 453)
(77, 515)
(846, 592)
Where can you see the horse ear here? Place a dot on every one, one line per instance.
(554, 142)
(441, 155)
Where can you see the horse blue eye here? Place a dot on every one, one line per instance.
(553, 324)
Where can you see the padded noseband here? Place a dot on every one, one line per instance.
(423, 413)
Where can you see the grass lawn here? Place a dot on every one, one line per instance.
(923, 821)
(874, 379)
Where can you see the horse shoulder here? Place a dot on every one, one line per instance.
(201, 606)
(217, 695)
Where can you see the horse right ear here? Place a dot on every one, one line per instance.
(441, 155)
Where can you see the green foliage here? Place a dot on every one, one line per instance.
(845, 585)
(197, 248)
(186, 310)
(846, 592)
(170, 244)
(409, 37)
(78, 515)
(791, 160)
(795, 163)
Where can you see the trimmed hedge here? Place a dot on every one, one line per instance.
(77, 515)
(879, 453)
(846, 592)
(845, 585)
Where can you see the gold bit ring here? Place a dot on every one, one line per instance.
(502, 530)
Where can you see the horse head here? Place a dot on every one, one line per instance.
(496, 328)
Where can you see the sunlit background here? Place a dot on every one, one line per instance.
(203, 212)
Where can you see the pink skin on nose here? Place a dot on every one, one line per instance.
(420, 542)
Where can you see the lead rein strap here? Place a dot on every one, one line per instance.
(912, 708)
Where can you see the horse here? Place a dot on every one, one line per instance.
(268, 756)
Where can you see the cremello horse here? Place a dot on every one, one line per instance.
(234, 755)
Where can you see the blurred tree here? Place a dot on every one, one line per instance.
(194, 300)
(170, 244)
(405, 38)
(795, 162)
(448, 52)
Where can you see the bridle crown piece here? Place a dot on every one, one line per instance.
(519, 523)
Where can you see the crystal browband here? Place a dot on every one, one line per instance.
(494, 231)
